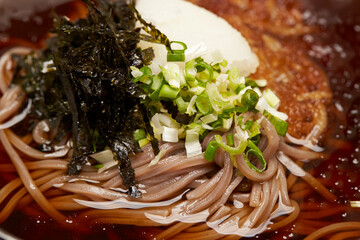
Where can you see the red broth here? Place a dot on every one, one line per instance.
(335, 47)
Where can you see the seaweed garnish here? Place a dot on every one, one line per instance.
(157, 35)
(96, 100)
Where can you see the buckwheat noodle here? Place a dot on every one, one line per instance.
(186, 197)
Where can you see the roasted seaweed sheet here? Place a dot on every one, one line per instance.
(89, 85)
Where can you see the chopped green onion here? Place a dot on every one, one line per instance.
(166, 120)
(173, 75)
(230, 140)
(210, 151)
(190, 73)
(226, 114)
(201, 66)
(143, 142)
(191, 107)
(234, 73)
(239, 88)
(250, 99)
(209, 118)
(238, 110)
(258, 91)
(158, 157)
(98, 166)
(250, 82)
(203, 104)
(256, 139)
(247, 125)
(217, 124)
(145, 77)
(271, 98)
(254, 129)
(176, 55)
(192, 143)
(170, 135)
(181, 104)
(139, 134)
(155, 96)
(281, 126)
(224, 63)
(216, 68)
(227, 123)
(254, 150)
(157, 82)
(261, 82)
(168, 92)
(231, 150)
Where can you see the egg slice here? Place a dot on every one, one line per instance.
(204, 33)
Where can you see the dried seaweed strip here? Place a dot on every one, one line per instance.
(158, 36)
(97, 101)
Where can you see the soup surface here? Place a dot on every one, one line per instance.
(329, 33)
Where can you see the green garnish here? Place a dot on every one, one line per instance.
(168, 92)
(176, 55)
(230, 140)
(139, 134)
(181, 104)
(210, 151)
(281, 126)
(231, 150)
(203, 104)
(250, 99)
(254, 150)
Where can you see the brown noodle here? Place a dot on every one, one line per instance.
(42, 180)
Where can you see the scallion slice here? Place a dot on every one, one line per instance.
(176, 55)
(271, 98)
(230, 140)
(217, 124)
(157, 82)
(203, 104)
(145, 77)
(210, 151)
(231, 150)
(281, 126)
(168, 92)
(254, 150)
(143, 142)
(247, 125)
(201, 66)
(256, 139)
(181, 104)
(139, 134)
(250, 99)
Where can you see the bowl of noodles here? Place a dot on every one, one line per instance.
(117, 124)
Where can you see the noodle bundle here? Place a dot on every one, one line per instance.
(191, 196)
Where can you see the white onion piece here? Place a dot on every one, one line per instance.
(159, 156)
(192, 144)
(170, 135)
